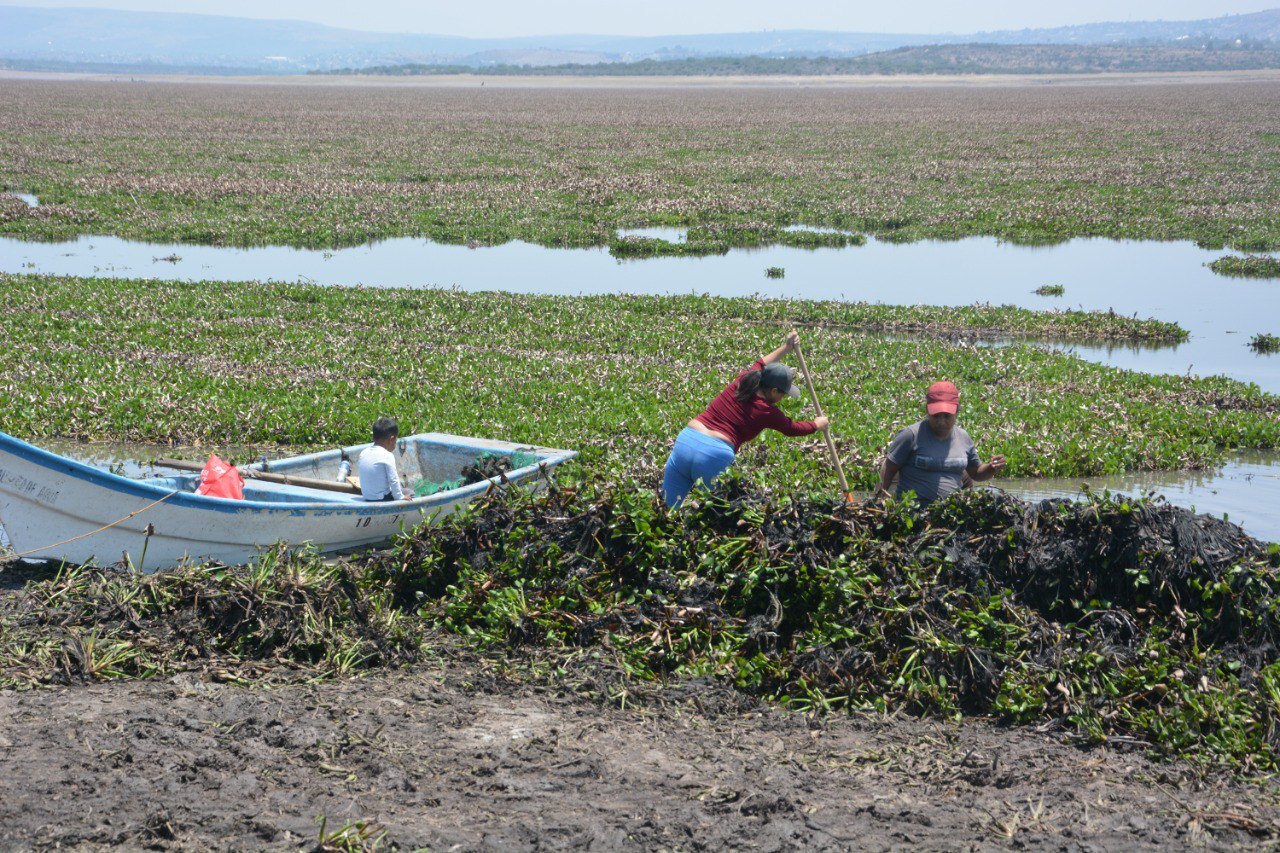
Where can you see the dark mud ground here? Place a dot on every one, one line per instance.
(450, 756)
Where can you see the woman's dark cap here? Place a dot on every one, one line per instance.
(778, 375)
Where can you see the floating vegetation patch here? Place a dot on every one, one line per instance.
(269, 166)
(1050, 290)
(1249, 266)
(775, 272)
(820, 239)
(1265, 343)
(271, 364)
(1128, 622)
(1255, 242)
(651, 247)
(702, 240)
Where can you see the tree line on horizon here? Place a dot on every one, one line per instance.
(1206, 55)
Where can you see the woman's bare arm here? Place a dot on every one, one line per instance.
(788, 345)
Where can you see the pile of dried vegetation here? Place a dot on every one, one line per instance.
(1118, 621)
(1121, 621)
(288, 615)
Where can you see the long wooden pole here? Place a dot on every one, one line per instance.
(826, 432)
(270, 477)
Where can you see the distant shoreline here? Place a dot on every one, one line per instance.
(709, 82)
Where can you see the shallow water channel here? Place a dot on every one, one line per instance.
(1163, 280)
(1246, 490)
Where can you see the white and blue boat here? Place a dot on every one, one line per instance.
(55, 508)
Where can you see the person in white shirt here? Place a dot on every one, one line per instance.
(379, 480)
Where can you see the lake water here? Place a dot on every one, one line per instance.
(1246, 490)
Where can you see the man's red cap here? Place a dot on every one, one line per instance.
(942, 397)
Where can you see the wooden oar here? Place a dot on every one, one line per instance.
(345, 487)
(826, 432)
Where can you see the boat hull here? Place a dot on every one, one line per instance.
(56, 508)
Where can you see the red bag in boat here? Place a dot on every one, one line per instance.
(220, 480)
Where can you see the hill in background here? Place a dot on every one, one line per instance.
(97, 39)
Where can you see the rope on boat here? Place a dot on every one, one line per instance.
(92, 532)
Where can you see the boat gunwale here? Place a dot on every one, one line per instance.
(189, 500)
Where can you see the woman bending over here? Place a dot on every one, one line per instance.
(744, 409)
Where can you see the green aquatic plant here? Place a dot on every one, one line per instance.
(802, 239)
(651, 247)
(1116, 162)
(1250, 266)
(256, 364)
(1050, 290)
(353, 836)
(1124, 620)
(1265, 343)
(290, 608)
(775, 272)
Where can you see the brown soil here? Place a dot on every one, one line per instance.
(450, 756)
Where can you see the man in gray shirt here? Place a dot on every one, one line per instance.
(932, 456)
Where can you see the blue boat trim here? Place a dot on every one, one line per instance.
(144, 489)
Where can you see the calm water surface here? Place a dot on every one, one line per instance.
(1166, 281)
(1246, 490)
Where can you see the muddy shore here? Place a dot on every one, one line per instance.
(448, 755)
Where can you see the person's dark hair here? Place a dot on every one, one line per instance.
(748, 385)
(384, 428)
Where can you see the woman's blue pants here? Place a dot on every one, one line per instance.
(696, 456)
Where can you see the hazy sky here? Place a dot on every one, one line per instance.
(664, 17)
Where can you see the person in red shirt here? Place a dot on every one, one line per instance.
(744, 409)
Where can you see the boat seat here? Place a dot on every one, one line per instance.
(261, 490)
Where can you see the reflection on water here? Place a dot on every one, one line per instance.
(679, 235)
(1246, 490)
(1101, 352)
(1167, 281)
(671, 235)
(817, 229)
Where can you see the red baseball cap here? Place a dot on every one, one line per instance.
(942, 397)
